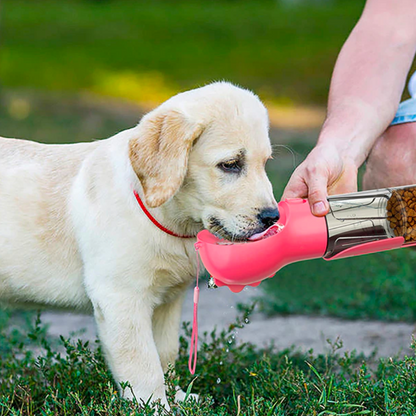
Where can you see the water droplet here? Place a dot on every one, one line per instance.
(220, 362)
(227, 350)
(246, 320)
(218, 380)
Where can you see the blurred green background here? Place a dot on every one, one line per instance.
(145, 50)
(77, 70)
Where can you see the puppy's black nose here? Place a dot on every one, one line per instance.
(268, 216)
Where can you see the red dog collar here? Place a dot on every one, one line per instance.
(155, 222)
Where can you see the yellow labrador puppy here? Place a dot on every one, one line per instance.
(72, 233)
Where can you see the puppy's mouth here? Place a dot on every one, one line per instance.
(273, 230)
(216, 227)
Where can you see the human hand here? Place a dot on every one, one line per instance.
(325, 171)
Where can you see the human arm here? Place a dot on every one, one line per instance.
(366, 87)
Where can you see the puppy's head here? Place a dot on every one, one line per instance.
(208, 148)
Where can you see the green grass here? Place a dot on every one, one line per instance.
(70, 378)
(145, 50)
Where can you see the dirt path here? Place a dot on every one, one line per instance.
(218, 309)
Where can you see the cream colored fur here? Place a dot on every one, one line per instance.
(72, 234)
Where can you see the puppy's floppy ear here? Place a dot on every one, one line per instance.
(159, 155)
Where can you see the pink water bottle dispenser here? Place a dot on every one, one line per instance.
(357, 223)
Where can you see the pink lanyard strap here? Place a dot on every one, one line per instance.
(194, 338)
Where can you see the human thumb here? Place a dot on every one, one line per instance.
(317, 195)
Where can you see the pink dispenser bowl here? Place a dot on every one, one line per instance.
(298, 236)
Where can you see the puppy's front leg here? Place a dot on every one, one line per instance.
(124, 321)
(166, 321)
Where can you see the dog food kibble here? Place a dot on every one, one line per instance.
(401, 213)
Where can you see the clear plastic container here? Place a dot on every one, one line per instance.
(368, 216)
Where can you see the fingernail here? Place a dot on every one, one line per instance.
(319, 208)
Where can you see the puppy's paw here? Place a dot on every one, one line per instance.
(180, 395)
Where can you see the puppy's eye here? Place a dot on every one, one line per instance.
(232, 166)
